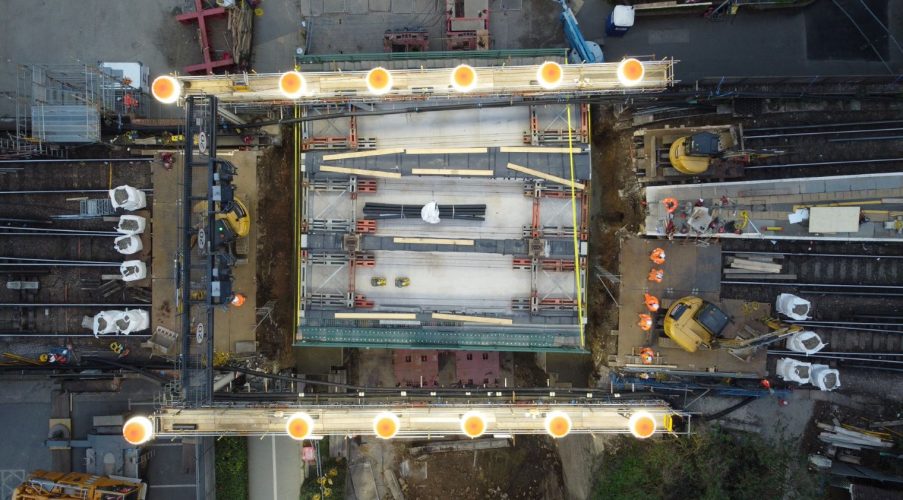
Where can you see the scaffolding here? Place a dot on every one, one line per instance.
(65, 104)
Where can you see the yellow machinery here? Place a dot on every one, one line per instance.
(236, 217)
(693, 154)
(692, 322)
(44, 485)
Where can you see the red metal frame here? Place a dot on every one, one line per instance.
(200, 15)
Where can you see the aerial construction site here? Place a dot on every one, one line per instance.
(463, 249)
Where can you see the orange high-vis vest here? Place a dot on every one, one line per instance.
(647, 355)
(656, 275)
(645, 322)
(657, 256)
(651, 302)
(670, 204)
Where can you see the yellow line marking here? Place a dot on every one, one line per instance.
(574, 222)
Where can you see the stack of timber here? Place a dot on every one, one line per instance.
(851, 438)
(751, 266)
(241, 29)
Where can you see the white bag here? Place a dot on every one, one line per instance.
(792, 370)
(792, 306)
(805, 342)
(430, 213)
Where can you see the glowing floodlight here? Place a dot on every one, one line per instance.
(549, 75)
(464, 78)
(379, 81)
(631, 72)
(642, 424)
(138, 430)
(558, 424)
(473, 424)
(292, 84)
(166, 89)
(299, 426)
(386, 425)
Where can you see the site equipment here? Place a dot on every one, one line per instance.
(44, 485)
(378, 281)
(692, 322)
(693, 154)
(582, 51)
(402, 282)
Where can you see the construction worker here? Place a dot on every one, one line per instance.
(652, 302)
(657, 256)
(645, 322)
(670, 204)
(656, 275)
(647, 355)
(238, 300)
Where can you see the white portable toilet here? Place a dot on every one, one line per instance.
(805, 342)
(131, 224)
(825, 378)
(128, 244)
(133, 270)
(128, 198)
(792, 370)
(620, 20)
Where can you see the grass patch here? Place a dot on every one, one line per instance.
(711, 465)
(232, 468)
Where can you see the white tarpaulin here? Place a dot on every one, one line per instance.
(792, 306)
(805, 342)
(799, 216)
(792, 370)
(430, 213)
(700, 219)
(105, 322)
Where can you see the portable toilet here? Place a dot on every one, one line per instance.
(619, 21)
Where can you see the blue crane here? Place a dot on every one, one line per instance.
(581, 49)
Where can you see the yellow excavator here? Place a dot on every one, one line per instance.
(692, 322)
(693, 154)
(232, 223)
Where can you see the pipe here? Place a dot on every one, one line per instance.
(88, 160)
(149, 191)
(894, 287)
(857, 256)
(72, 305)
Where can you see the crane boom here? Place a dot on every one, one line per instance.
(582, 51)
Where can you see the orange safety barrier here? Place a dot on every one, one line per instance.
(656, 275)
(651, 302)
(645, 322)
(657, 256)
(365, 226)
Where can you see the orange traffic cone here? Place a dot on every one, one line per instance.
(657, 256)
(645, 322)
(651, 302)
(656, 275)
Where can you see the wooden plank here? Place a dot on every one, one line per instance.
(473, 319)
(756, 266)
(538, 149)
(375, 316)
(432, 241)
(729, 270)
(360, 171)
(543, 175)
(444, 151)
(363, 154)
(451, 171)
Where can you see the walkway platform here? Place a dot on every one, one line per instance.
(689, 270)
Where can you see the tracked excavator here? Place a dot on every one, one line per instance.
(692, 322)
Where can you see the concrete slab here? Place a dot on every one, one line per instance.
(474, 128)
(167, 209)
(357, 6)
(464, 282)
(333, 6)
(379, 5)
(402, 6)
(275, 469)
(424, 6)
